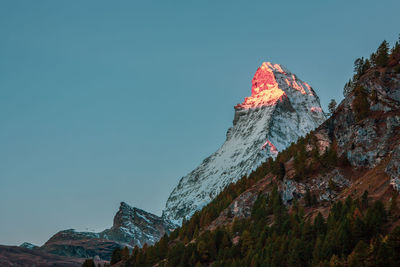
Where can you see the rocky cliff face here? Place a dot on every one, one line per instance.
(371, 145)
(137, 227)
(131, 227)
(367, 142)
(281, 108)
(375, 140)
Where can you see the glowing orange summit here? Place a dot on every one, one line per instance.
(265, 90)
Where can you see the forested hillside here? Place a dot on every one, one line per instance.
(331, 199)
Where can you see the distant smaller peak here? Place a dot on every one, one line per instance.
(68, 231)
(28, 245)
(124, 204)
(126, 208)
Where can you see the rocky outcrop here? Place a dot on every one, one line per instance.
(280, 109)
(367, 142)
(137, 227)
(241, 206)
(28, 245)
(132, 227)
(393, 169)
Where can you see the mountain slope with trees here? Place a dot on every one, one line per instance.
(331, 199)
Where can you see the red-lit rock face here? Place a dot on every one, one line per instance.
(264, 79)
(272, 147)
(266, 90)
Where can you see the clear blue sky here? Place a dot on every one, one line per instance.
(109, 101)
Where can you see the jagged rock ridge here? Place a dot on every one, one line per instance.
(280, 109)
(137, 227)
(131, 227)
(28, 245)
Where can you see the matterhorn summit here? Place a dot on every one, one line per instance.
(281, 108)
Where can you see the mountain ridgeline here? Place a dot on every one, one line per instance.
(330, 199)
(132, 227)
(281, 109)
(287, 188)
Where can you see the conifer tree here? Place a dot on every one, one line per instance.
(393, 203)
(360, 103)
(393, 243)
(332, 106)
(88, 263)
(358, 66)
(358, 258)
(382, 54)
(116, 256)
(125, 253)
(308, 198)
(364, 200)
(246, 242)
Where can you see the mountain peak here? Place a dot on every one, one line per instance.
(264, 78)
(281, 108)
(28, 245)
(272, 83)
(124, 206)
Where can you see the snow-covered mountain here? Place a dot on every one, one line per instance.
(281, 108)
(134, 226)
(131, 227)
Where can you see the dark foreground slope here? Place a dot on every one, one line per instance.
(328, 200)
(17, 256)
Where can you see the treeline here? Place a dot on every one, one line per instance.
(381, 61)
(307, 158)
(352, 235)
(189, 245)
(383, 57)
(306, 163)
